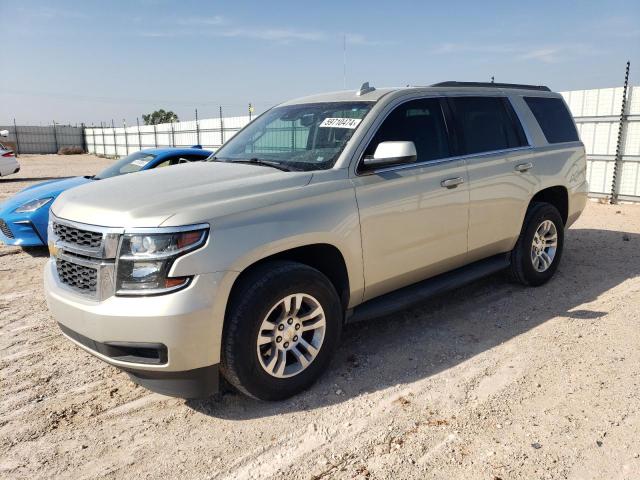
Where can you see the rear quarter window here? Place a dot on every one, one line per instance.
(554, 119)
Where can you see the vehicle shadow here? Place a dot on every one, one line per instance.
(41, 251)
(454, 327)
(29, 179)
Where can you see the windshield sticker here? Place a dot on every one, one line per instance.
(140, 163)
(340, 123)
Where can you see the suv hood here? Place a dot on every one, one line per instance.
(192, 193)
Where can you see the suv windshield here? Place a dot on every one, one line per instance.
(297, 137)
(129, 164)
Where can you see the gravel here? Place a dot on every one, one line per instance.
(490, 381)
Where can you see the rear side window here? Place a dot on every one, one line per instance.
(486, 124)
(554, 119)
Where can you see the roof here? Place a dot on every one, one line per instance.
(444, 87)
(342, 96)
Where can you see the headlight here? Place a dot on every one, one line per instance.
(145, 260)
(33, 205)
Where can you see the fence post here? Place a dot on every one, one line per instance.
(221, 128)
(617, 166)
(84, 137)
(15, 130)
(139, 137)
(115, 142)
(126, 139)
(173, 138)
(55, 136)
(155, 135)
(197, 129)
(104, 142)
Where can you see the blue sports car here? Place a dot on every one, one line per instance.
(24, 217)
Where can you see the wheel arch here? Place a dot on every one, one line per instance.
(558, 196)
(324, 257)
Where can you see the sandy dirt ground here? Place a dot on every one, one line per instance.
(493, 381)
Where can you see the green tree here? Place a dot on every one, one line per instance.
(160, 116)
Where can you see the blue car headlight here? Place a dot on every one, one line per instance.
(33, 205)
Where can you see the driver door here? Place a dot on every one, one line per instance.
(413, 226)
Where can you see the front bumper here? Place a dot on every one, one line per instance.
(22, 232)
(184, 327)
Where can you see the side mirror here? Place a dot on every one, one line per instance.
(391, 153)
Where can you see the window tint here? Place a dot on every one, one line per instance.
(554, 119)
(179, 160)
(129, 164)
(418, 121)
(487, 124)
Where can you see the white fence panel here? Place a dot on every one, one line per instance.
(597, 115)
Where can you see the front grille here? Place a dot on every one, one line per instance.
(5, 229)
(81, 278)
(76, 236)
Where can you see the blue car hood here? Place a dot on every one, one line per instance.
(51, 188)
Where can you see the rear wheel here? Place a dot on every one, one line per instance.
(282, 328)
(537, 253)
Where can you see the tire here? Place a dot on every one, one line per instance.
(524, 268)
(259, 301)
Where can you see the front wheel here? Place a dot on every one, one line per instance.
(537, 253)
(282, 328)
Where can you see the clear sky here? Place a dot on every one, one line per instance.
(91, 61)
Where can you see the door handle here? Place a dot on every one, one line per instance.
(524, 167)
(452, 182)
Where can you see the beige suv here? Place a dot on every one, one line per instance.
(322, 211)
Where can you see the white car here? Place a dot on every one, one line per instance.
(8, 162)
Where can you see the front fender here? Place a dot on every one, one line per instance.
(325, 214)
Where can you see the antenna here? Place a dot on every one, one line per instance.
(364, 89)
(344, 61)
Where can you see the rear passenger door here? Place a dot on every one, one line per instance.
(412, 225)
(495, 147)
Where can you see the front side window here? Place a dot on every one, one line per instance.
(554, 119)
(418, 121)
(297, 137)
(486, 124)
(129, 164)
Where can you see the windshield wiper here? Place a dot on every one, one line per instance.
(253, 161)
(265, 163)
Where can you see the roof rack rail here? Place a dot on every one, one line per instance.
(542, 88)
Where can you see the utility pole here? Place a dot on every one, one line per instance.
(344, 61)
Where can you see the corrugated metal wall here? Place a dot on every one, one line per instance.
(597, 115)
(49, 139)
(120, 141)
